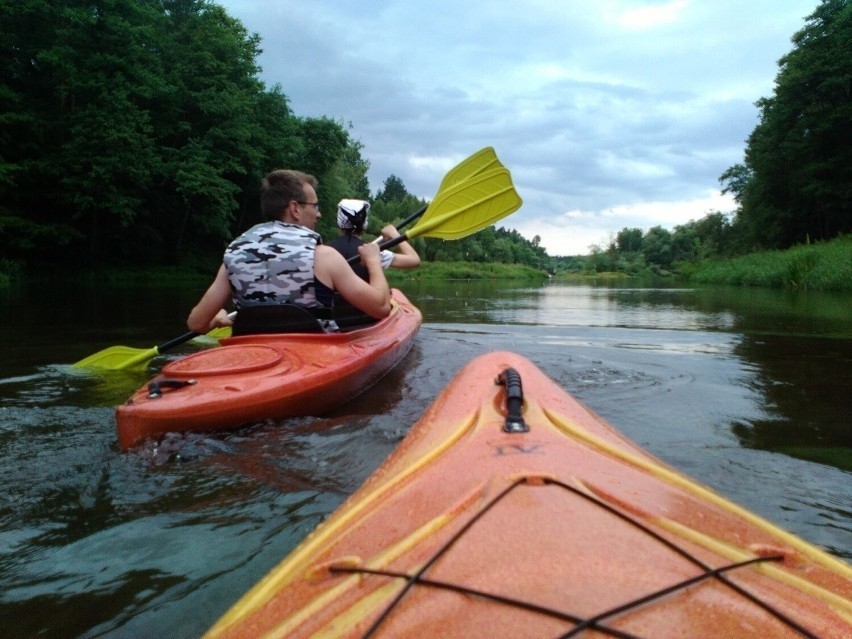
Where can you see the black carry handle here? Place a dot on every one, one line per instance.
(511, 379)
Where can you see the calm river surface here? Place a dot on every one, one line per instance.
(748, 391)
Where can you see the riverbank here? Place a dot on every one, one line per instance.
(168, 276)
(466, 271)
(824, 266)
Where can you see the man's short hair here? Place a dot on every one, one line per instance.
(279, 188)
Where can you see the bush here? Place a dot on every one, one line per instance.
(823, 266)
(465, 271)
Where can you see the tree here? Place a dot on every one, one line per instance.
(796, 181)
(394, 190)
(206, 123)
(138, 133)
(85, 72)
(629, 240)
(657, 247)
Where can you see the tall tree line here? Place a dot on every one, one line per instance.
(795, 184)
(658, 249)
(137, 132)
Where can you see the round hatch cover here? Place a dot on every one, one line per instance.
(224, 360)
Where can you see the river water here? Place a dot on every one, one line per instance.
(746, 390)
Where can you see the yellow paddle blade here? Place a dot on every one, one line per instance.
(479, 162)
(469, 206)
(220, 333)
(124, 357)
(119, 358)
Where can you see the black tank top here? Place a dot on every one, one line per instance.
(347, 245)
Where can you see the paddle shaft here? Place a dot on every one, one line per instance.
(405, 222)
(412, 217)
(177, 341)
(399, 239)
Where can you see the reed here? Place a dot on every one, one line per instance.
(825, 266)
(465, 271)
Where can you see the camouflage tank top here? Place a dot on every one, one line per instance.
(273, 263)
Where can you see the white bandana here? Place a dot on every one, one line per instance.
(347, 210)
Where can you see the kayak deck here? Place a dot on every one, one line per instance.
(510, 510)
(250, 378)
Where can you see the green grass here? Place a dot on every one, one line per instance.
(465, 271)
(825, 266)
(151, 275)
(605, 276)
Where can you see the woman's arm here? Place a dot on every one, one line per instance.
(407, 257)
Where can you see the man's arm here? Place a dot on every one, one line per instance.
(373, 297)
(210, 311)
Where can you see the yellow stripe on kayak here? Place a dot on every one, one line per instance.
(699, 491)
(364, 606)
(842, 605)
(264, 590)
(344, 623)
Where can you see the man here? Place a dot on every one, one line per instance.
(280, 261)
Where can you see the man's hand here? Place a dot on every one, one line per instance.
(370, 253)
(221, 319)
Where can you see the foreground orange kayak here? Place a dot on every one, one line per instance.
(255, 377)
(511, 510)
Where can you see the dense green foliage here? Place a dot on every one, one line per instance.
(657, 249)
(137, 132)
(134, 133)
(826, 266)
(796, 181)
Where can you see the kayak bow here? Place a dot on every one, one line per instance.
(511, 510)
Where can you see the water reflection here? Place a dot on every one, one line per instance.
(742, 389)
(806, 394)
(637, 306)
(795, 343)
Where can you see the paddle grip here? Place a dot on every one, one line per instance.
(384, 245)
(405, 222)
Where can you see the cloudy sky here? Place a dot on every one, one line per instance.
(608, 113)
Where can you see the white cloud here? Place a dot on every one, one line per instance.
(574, 231)
(654, 15)
(626, 111)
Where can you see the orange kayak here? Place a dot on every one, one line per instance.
(511, 510)
(255, 377)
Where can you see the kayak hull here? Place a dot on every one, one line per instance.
(255, 377)
(565, 529)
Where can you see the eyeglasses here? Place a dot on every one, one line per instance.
(313, 204)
